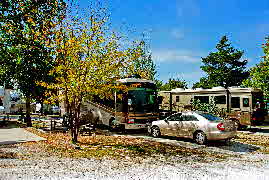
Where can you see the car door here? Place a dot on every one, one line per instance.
(189, 124)
(172, 124)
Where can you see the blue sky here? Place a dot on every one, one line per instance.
(182, 31)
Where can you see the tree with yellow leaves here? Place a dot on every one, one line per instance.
(88, 60)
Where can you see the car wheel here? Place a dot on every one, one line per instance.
(155, 132)
(238, 125)
(200, 137)
(111, 124)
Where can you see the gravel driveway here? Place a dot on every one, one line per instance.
(251, 166)
(246, 164)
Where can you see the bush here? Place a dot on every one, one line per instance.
(206, 107)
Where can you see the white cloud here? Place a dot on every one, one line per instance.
(176, 56)
(177, 33)
(193, 75)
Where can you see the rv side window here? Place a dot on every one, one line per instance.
(177, 98)
(202, 99)
(235, 102)
(220, 99)
(245, 102)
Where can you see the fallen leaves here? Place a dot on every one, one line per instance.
(114, 147)
(258, 140)
(8, 155)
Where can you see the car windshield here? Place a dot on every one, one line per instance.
(210, 117)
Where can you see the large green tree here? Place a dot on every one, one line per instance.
(259, 75)
(26, 30)
(172, 84)
(224, 67)
(143, 66)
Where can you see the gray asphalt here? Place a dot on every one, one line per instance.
(17, 135)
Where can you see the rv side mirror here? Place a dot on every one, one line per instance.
(160, 99)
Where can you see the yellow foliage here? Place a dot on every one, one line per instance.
(88, 60)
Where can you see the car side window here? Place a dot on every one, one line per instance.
(178, 117)
(189, 118)
(170, 118)
(175, 117)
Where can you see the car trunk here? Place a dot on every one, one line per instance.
(229, 125)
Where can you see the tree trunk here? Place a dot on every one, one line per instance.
(28, 112)
(76, 121)
(41, 108)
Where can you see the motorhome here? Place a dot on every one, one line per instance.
(235, 102)
(132, 108)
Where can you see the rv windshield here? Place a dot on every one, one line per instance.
(142, 100)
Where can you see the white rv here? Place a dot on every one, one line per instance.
(241, 103)
(5, 100)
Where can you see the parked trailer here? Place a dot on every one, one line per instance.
(245, 105)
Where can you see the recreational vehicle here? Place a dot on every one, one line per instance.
(132, 108)
(241, 104)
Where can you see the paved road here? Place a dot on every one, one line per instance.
(17, 135)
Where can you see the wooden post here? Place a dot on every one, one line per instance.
(228, 100)
(170, 102)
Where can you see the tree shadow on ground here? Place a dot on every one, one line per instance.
(220, 145)
(234, 146)
(231, 145)
(10, 125)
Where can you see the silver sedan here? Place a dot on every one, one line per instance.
(197, 125)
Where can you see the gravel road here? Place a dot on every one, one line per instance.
(250, 165)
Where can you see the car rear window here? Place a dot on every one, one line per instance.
(210, 117)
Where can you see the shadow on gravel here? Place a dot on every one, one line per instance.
(264, 130)
(232, 146)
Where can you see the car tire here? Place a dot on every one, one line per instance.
(237, 125)
(111, 125)
(155, 132)
(200, 137)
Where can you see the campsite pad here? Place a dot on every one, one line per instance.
(17, 135)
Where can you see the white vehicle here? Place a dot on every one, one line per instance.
(199, 126)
